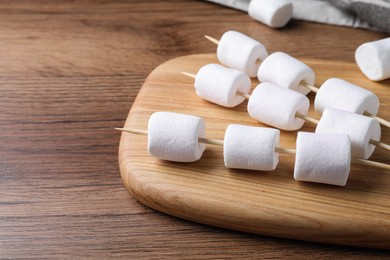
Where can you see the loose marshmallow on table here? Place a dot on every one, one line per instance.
(174, 137)
(361, 129)
(238, 51)
(253, 148)
(373, 59)
(282, 69)
(277, 106)
(218, 84)
(274, 13)
(340, 94)
(323, 158)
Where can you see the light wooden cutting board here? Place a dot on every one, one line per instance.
(270, 203)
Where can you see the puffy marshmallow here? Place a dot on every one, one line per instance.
(238, 51)
(274, 13)
(323, 158)
(361, 129)
(218, 84)
(277, 106)
(174, 137)
(340, 94)
(282, 69)
(253, 148)
(373, 59)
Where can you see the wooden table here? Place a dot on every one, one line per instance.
(69, 73)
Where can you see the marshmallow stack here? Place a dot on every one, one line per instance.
(283, 70)
(340, 94)
(253, 148)
(277, 106)
(238, 51)
(175, 137)
(274, 13)
(361, 129)
(322, 158)
(373, 59)
(220, 85)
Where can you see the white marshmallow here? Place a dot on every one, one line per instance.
(361, 129)
(253, 148)
(373, 59)
(219, 85)
(282, 69)
(323, 158)
(274, 13)
(174, 137)
(238, 51)
(340, 94)
(277, 106)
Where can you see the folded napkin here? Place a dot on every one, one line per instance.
(368, 14)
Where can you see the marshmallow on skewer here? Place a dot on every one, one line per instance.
(175, 137)
(307, 170)
(278, 106)
(282, 69)
(253, 148)
(238, 51)
(323, 158)
(340, 94)
(274, 13)
(373, 59)
(290, 111)
(220, 85)
(361, 129)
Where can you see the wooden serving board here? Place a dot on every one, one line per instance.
(270, 203)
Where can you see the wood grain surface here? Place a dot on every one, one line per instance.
(270, 202)
(69, 73)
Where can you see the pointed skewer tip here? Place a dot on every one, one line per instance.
(188, 74)
(213, 40)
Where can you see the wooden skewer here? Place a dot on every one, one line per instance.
(277, 149)
(370, 163)
(382, 121)
(203, 140)
(380, 144)
(244, 95)
(191, 75)
(307, 118)
(310, 87)
(211, 39)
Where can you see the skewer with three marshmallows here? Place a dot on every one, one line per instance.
(319, 157)
(238, 51)
(284, 108)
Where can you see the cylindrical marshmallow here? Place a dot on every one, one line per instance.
(238, 51)
(274, 13)
(340, 94)
(361, 129)
(373, 59)
(219, 85)
(277, 106)
(282, 69)
(174, 137)
(323, 158)
(253, 148)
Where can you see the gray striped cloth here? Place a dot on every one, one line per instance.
(369, 14)
(375, 12)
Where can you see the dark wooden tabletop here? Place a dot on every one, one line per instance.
(69, 73)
